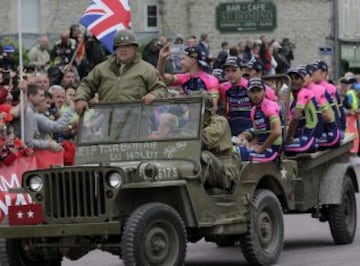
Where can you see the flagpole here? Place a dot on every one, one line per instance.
(21, 66)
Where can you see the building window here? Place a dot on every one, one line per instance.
(151, 16)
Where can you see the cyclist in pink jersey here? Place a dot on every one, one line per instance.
(319, 77)
(256, 69)
(234, 102)
(331, 135)
(305, 121)
(267, 127)
(194, 79)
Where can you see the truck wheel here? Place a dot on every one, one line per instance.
(154, 234)
(264, 239)
(342, 217)
(13, 253)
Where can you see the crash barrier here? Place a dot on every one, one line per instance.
(11, 176)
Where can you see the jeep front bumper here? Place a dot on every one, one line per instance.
(60, 230)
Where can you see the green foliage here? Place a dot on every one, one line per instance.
(15, 43)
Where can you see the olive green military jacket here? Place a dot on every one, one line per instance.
(217, 135)
(136, 80)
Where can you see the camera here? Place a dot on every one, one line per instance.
(29, 68)
(6, 77)
(158, 44)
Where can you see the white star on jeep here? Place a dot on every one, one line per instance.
(20, 215)
(30, 214)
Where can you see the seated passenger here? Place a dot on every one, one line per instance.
(320, 77)
(257, 69)
(234, 100)
(167, 123)
(331, 135)
(221, 167)
(267, 126)
(352, 104)
(304, 116)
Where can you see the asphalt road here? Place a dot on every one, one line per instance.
(307, 242)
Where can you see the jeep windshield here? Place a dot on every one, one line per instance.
(135, 122)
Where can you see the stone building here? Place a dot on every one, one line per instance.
(326, 29)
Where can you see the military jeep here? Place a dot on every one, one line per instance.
(137, 191)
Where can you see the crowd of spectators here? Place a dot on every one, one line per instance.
(275, 56)
(51, 78)
(49, 84)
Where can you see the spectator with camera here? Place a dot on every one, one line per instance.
(151, 52)
(287, 49)
(39, 55)
(58, 99)
(7, 61)
(6, 109)
(6, 77)
(63, 49)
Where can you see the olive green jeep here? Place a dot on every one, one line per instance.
(137, 191)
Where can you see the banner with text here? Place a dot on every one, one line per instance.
(11, 177)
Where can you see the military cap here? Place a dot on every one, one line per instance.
(124, 37)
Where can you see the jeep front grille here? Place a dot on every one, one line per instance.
(74, 194)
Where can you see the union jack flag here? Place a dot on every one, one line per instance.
(104, 17)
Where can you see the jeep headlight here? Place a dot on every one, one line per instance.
(114, 180)
(35, 183)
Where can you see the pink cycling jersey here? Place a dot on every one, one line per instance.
(199, 81)
(224, 87)
(270, 93)
(268, 107)
(329, 87)
(303, 97)
(319, 92)
(262, 116)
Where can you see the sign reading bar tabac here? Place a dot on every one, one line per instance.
(246, 16)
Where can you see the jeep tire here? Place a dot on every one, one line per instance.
(13, 253)
(154, 234)
(342, 217)
(264, 239)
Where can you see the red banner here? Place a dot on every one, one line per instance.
(11, 176)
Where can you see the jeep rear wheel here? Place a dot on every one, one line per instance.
(15, 252)
(154, 234)
(342, 217)
(264, 240)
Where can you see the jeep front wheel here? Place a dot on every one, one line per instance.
(154, 234)
(264, 239)
(342, 217)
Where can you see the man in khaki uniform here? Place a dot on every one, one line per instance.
(124, 76)
(222, 166)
